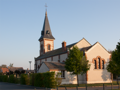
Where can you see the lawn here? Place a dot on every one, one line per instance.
(89, 85)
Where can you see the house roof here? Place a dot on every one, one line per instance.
(4, 70)
(54, 52)
(32, 71)
(46, 31)
(55, 65)
(15, 68)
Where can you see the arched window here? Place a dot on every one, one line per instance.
(102, 64)
(95, 64)
(99, 63)
(48, 47)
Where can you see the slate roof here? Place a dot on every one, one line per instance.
(4, 70)
(55, 65)
(85, 48)
(54, 52)
(15, 68)
(46, 27)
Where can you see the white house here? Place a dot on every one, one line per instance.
(53, 60)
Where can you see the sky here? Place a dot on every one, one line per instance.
(21, 22)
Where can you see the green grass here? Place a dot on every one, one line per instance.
(113, 89)
(89, 85)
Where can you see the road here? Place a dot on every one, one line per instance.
(11, 86)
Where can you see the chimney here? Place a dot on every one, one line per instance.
(64, 46)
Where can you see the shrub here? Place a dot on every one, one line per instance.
(11, 79)
(24, 79)
(44, 79)
(3, 78)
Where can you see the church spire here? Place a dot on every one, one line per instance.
(46, 31)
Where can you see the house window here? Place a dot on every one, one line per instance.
(102, 64)
(95, 67)
(98, 63)
(63, 74)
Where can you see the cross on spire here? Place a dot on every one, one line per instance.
(46, 6)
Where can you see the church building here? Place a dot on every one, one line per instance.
(51, 59)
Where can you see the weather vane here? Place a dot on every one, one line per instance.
(46, 6)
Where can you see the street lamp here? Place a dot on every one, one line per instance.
(30, 65)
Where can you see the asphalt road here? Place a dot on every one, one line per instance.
(11, 86)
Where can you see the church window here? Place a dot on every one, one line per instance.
(41, 48)
(48, 47)
(102, 64)
(98, 63)
(62, 74)
(95, 65)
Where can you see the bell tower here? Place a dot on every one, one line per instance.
(46, 40)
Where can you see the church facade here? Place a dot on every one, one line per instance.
(51, 59)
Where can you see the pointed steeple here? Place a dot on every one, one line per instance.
(46, 31)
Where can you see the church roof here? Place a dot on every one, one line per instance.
(46, 31)
(55, 65)
(54, 52)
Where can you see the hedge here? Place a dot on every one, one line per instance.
(25, 79)
(38, 79)
(45, 79)
(3, 78)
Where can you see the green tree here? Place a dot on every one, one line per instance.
(114, 64)
(58, 79)
(76, 62)
(11, 65)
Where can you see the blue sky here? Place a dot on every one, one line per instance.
(21, 22)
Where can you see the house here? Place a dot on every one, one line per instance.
(13, 69)
(4, 71)
(27, 71)
(51, 59)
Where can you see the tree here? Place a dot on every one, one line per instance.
(11, 65)
(114, 64)
(76, 62)
(58, 79)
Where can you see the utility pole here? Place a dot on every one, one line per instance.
(30, 65)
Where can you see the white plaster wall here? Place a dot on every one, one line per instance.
(72, 79)
(43, 68)
(63, 57)
(82, 43)
(49, 59)
(49, 42)
(55, 58)
(98, 75)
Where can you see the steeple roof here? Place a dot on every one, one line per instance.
(46, 31)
